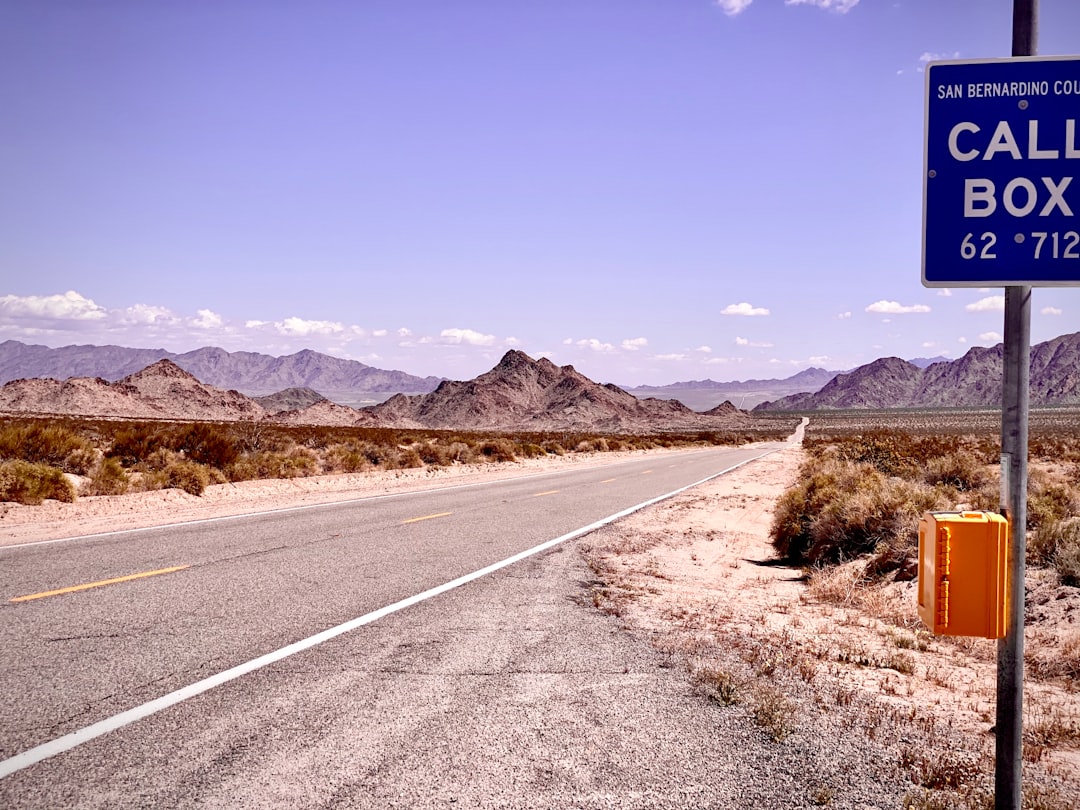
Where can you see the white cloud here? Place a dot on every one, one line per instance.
(896, 308)
(961, 340)
(843, 316)
(145, 314)
(990, 337)
(298, 327)
(839, 6)
(945, 292)
(669, 356)
(633, 344)
(704, 349)
(741, 341)
(595, 345)
(71, 306)
(208, 319)
(466, 336)
(928, 344)
(255, 324)
(1050, 311)
(992, 303)
(733, 7)
(743, 309)
(511, 341)
(379, 333)
(819, 359)
(404, 332)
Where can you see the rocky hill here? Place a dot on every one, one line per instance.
(250, 372)
(291, 399)
(973, 380)
(521, 393)
(162, 390)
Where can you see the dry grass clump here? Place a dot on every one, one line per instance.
(842, 509)
(29, 482)
(862, 493)
(107, 478)
(55, 444)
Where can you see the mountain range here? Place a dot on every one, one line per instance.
(520, 393)
(250, 372)
(974, 380)
(700, 395)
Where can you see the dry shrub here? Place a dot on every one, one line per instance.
(30, 483)
(841, 510)
(962, 470)
(1066, 549)
(80, 461)
(299, 462)
(461, 453)
(403, 458)
(773, 712)
(207, 444)
(54, 444)
(137, 443)
(499, 449)
(718, 683)
(187, 475)
(1049, 500)
(108, 478)
(346, 458)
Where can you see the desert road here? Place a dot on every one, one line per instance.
(388, 652)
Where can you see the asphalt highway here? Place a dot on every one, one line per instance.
(404, 701)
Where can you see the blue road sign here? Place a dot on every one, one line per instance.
(1001, 178)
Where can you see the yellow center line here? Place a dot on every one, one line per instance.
(549, 492)
(427, 517)
(609, 480)
(86, 586)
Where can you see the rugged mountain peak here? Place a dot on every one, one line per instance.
(161, 370)
(514, 359)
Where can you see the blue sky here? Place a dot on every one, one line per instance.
(651, 190)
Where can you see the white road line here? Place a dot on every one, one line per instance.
(102, 727)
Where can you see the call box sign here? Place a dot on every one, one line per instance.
(1001, 174)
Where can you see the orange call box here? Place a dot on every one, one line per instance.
(964, 573)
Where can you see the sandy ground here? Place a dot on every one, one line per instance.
(696, 576)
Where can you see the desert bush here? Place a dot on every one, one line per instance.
(463, 453)
(962, 470)
(30, 483)
(1049, 501)
(206, 444)
(187, 475)
(299, 462)
(345, 458)
(403, 458)
(1065, 555)
(80, 461)
(137, 442)
(499, 449)
(108, 478)
(841, 510)
(554, 448)
(45, 443)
